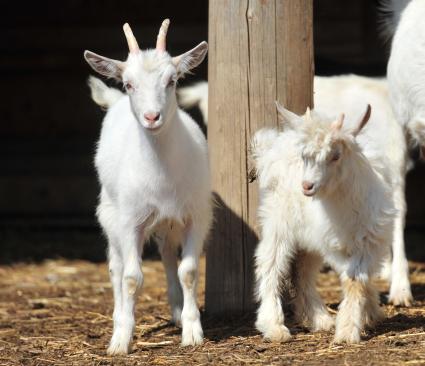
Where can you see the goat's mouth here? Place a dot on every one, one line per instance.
(153, 128)
(309, 193)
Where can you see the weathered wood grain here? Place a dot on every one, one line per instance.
(260, 51)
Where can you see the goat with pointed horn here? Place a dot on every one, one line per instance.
(147, 122)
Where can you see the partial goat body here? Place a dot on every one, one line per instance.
(406, 71)
(382, 140)
(321, 200)
(152, 164)
(195, 95)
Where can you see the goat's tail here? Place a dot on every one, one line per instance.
(102, 94)
(389, 16)
(195, 95)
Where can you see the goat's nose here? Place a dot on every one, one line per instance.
(308, 186)
(151, 117)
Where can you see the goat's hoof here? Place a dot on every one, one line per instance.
(323, 322)
(118, 349)
(349, 337)
(277, 333)
(119, 345)
(192, 334)
(401, 296)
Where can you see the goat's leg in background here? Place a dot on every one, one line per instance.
(273, 262)
(309, 307)
(188, 272)
(400, 292)
(168, 249)
(373, 312)
(131, 244)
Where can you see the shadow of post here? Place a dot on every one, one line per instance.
(230, 264)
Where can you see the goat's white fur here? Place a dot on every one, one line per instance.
(406, 71)
(351, 94)
(348, 223)
(154, 182)
(406, 77)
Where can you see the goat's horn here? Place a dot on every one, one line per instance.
(131, 40)
(337, 125)
(162, 35)
(308, 113)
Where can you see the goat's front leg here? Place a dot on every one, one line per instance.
(400, 292)
(350, 318)
(131, 243)
(272, 261)
(192, 333)
(115, 273)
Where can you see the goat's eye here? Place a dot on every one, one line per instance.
(336, 156)
(128, 86)
(171, 83)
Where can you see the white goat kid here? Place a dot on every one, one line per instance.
(320, 199)
(348, 93)
(152, 164)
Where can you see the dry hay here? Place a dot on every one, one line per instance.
(59, 313)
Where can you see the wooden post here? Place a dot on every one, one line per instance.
(259, 51)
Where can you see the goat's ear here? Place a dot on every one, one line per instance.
(189, 60)
(363, 121)
(286, 117)
(105, 66)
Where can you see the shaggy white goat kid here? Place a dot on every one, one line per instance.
(153, 168)
(320, 199)
(352, 93)
(349, 93)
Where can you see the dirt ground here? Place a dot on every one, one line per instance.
(59, 313)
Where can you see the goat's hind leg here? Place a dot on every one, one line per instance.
(400, 292)
(168, 249)
(308, 305)
(373, 312)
